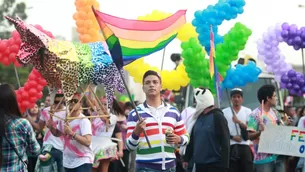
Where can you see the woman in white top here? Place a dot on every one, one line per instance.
(102, 133)
(78, 155)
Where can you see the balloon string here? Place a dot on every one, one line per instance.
(17, 76)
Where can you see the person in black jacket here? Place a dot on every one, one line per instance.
(210, 138)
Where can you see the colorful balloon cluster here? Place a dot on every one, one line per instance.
(293, 36)
(196, 66)
(28, 95)
(171, 80)
(227, 52)
(215, 15)
(269, 52)
(87, 26)
(294, 82)
(241, 75)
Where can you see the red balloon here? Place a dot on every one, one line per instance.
(32, 76)
(33, 99)
(39, 95)
(7, 51)
(25, 95)
(12, 57)
(19, 98)
(3, 45)
(17, 41)
(17, 64)
(32, 92)
(39, 87)
(37, 26)
(32, 83)
(42, 81)
(25, 104)
(15, 34)
(5, 61)
(14, 48)
(11, 41)
(27, 86)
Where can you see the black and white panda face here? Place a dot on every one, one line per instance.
(204, 98)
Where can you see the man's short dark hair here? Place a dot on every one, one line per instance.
(150, 72)
(264, 92)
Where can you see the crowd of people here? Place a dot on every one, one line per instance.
(153, 137)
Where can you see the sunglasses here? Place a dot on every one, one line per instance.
(73, 101)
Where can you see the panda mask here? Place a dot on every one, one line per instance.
(204, 99)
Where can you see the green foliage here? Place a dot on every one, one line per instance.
(10, 8)
(7, 75)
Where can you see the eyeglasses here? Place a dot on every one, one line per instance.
(73, 101)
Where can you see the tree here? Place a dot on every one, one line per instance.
(12, 9)
(7, 75)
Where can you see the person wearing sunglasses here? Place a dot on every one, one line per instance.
(78, 155)
(52, 151)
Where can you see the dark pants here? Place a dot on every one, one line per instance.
(57, 156)
(32, 163)
(117, 166)
(82, 168)
(208, 168)
(242, 159)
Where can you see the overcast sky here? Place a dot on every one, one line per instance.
(56, 16)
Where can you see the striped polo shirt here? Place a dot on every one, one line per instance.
(161, 156)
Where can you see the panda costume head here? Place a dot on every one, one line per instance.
(204, 99)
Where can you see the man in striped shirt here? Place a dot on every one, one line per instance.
(157, 117)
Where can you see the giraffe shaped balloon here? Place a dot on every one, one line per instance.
(66, 65)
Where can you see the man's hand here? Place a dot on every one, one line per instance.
(235, 119)
(173, 139)
(50, 123)
(261, 127)
(140, 127)
(68, 129)
(237, 138)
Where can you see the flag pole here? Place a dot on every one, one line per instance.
(215, 71)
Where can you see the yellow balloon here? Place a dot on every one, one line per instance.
(171, 80)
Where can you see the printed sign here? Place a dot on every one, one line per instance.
(282, 140)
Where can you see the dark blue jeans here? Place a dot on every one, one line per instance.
(140, 169)
(82, 168)
(57, 156)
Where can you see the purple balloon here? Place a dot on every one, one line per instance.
(296, 87)
(293, 79)
(291, 73)
(303, 90)
(285, 33)
(282, 85)
(299, 75)
(303, 35)
(285, 79)
(296, 47)
(289, 86)
(297, 40)
(285, 26)
(303, 44)
(299, 32)
(290, 41)
(301, 82)
(293, 27)
(292, 92)
(292, 33)
(300, 93)
(302, 29)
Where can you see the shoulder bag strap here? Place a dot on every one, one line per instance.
(10, 143)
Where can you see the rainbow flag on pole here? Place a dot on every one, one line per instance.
(139, 38)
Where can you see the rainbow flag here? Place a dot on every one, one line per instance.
(139, 38)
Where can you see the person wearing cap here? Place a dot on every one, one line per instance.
(241, 158)
(163, 125)
(52, 150)
(78, 155)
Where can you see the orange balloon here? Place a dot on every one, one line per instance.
(80, 23)
(75, 16)
(82, 15)
(86, 38)
(79, 8)
(90, 2)
(80, 30)
(92, 31)
(76, 3)
(88, 23)
(87, 9)
(82, 3)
